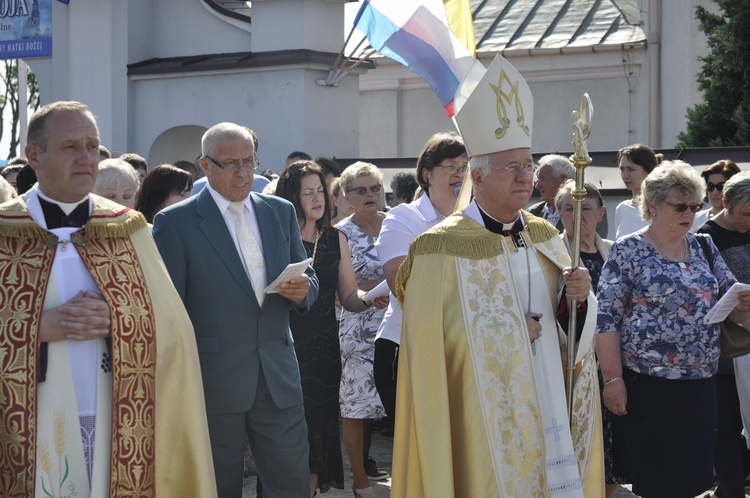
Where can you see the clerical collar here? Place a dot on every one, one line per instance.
(497, 226)
(56, 216)
(67, 207)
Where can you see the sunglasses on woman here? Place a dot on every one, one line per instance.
(719, 186)
(363, 190)
(681, 208)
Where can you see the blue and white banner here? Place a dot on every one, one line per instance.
(25, 29)
(416, 34)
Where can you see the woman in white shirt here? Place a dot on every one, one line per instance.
(440, 169)
(635, 162)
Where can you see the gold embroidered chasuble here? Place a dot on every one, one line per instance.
(158, 437)
(472, 395)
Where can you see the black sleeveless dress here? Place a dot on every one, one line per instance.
(316, 342)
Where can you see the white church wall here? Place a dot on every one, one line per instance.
(290, 24)
(176, 144)
(393, 101)
(183, 27)
(284, 107)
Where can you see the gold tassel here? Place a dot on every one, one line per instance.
(402, 276)
(121, 227)
(24, 230)
(461, 237)
(540, 230)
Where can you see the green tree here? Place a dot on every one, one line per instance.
(9, 78)
(723, 118)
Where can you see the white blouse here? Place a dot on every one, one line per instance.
(401, 226)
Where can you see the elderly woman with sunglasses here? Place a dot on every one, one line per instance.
(658, 355)
(362, 184)
(730, 232)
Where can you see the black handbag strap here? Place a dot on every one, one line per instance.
(703, 241)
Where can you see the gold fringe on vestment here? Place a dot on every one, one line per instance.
(108, 221)
(456, 237)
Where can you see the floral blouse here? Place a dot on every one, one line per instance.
(658, 306)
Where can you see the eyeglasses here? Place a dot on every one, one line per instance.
(363, 190)
(235, 166)
(516, 169)
(454, 168)
(681, 208)
(718, 186)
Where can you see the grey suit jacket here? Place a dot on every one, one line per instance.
(538, 210)
(236, 337)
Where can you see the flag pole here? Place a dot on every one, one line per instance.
(581, 159)
(341, 52)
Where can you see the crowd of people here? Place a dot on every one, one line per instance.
(199, 323)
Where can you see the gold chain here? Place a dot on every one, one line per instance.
(658, 246)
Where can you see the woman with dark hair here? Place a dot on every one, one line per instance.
(316, 339)
(441, 167)
(716, 176)
(163, 186)
(635, 162)
(403, 186)
(11, 170)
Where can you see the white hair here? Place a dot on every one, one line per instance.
(114, 171)
(223, 131)
(560, 166)
(481, 164)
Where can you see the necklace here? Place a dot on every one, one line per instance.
(315, 247)
(658, 246)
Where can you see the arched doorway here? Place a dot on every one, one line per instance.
(176, 144)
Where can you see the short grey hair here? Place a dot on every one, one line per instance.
(481, 163)
(358, 170)
(670, 178)
(567, 188)
(560, 165)
(223, 131)
(112, 172)
(737, 190)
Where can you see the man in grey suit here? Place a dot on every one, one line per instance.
(250, 373)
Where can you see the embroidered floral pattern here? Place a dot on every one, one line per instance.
(515, 424)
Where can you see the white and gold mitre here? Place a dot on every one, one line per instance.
(494, 108)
